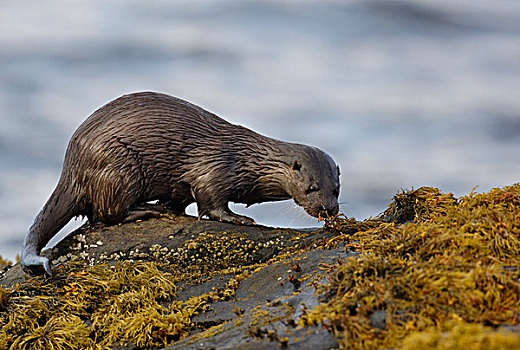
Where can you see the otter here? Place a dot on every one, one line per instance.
(150, 146)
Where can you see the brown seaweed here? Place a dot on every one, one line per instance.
(453, 260)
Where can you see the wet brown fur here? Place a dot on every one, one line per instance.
(150, 146)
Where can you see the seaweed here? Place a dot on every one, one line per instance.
(99, 306)
(432, 271)
(58, 333)
(90, 307)
(461, 335)
(458, 259)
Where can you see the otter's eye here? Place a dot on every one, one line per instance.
(312, 188)
(335, 192)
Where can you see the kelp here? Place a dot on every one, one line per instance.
(92, 307)
(433, 272)
(418, 205)
(461, 335)
(58, 333)
(428, 260)
(100, 306)
(130, 303)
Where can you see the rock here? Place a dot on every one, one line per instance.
(271, 307)
(12, 276)
(378, 319)
(262, 308)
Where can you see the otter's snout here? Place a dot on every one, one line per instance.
(328, 211)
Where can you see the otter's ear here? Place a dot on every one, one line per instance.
(339, 173)
(296, 165)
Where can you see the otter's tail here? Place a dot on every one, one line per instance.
(60, 208)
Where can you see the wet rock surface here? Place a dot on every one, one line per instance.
(264, 276)
(266, 309)
(174, 282)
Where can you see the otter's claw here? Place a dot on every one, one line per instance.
(227, 216)
(36, 265)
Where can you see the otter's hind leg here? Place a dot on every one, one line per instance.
(113, 199)
(144, 211)
(178, 206)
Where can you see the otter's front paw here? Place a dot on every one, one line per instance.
(241, 220)
(36, 264)
(230, 217)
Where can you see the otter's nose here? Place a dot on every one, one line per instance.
(330, 211)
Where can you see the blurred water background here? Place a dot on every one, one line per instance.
(400, 93)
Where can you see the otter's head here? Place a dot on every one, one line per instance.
(313, 182)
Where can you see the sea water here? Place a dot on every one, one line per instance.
(400, 93)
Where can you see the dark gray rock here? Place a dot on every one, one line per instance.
(271, 306)
(378, 319)
(266, 307)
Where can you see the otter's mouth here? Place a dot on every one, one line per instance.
(320, 211)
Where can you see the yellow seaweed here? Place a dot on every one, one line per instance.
(441, 259)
